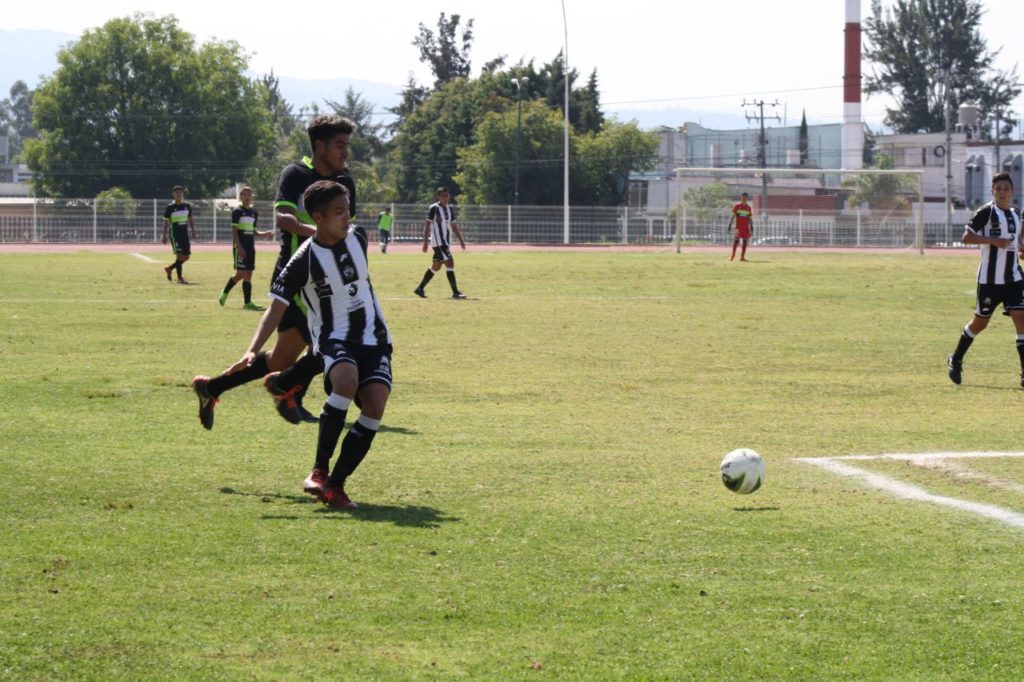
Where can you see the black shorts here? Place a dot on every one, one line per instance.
(179, 240)
(442, 253)
(248, 244)
(294, 318)
(385, 236)
(1010, 296)
(373, 362)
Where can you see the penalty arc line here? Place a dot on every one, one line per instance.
(911, 492)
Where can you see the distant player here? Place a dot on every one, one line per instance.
(438, 229)
(179, 222)
(286, 379)
(384, 221)
(331, 272)
(243, 247)
(996, 226)
(743, 216)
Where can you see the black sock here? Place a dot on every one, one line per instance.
(353, 449)
(301, 373)
(225, 382)
(247, 291)
(964, 343)
(451, 280)
(427, 276)
(1020, 352)
(332, 422)
(177, 266)
(230, 285)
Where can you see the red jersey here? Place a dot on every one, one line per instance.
(743, 214)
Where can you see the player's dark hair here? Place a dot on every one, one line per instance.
(320, 194)
(1002, 176)
(441, 190)
(177, 188)
(325, 127)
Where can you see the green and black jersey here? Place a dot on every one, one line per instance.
(178, 214)
(295, 179)
(244, 219)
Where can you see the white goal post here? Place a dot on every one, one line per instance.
(802, 206)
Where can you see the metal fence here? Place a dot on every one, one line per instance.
(141, 221)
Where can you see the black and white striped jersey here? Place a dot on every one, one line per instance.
(998, 266)
(441, 219)
(334, 284)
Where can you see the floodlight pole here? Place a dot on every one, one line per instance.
(948, 113)
(565, 179)
(519, 83)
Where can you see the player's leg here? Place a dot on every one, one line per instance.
(375, 371)
(735, 243)
(983, 309)
(743, 249)
(290, 385)
(341, 380)
(435, 265)
(449, 265)
(233, 279)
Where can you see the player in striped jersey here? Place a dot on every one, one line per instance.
(438, 229)
(330, 273)
(243, 247)
(286, 378)
(178, 217)
(996, 227)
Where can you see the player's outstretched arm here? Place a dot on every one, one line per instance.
(286, 221)
(458, 233)
(267, 324)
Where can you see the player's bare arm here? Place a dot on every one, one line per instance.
(286, 221)
(458, 233)
(972, 238)
(268, 323)
(426, 235)
(163, 240)
(192, 226)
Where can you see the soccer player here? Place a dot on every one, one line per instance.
(243, 247)
(743, 216)
(996, 226)
(286, 379)
(438, 228)
(331, 273)
(178, 217)
(384, 228)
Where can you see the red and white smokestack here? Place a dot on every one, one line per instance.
(853, 127)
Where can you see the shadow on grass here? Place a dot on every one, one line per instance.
(409, 516)
(399, 430)
(755, 509)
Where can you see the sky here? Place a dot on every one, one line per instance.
(649, 54)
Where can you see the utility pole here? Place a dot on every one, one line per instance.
(762, 152)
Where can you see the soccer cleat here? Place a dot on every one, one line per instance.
(458, 295)
(182, 280)
(206, 401)
(334, 496)
(956, 370)
(252, 306)
(419, 292)
(223, 297)
(167, 271)
(307, 416)
(1022, 379)
(284, 400)
(314, 483)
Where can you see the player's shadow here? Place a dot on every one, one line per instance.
(408, 516)
(755, 509)
(268, 497)
(400, 430)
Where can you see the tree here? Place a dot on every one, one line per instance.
(604, 160)
(135, 104)
(706, 203)
(116, 202)
(16, 119)
(919, 47)
(442, 52)
(804, 143)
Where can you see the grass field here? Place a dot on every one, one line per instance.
(543, 501)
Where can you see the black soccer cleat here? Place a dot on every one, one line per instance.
(956, 370)
(458, 295)
(306, 415)
(207, 402)
(419, 292)
(284, 400)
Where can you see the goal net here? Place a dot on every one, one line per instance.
(801, 207)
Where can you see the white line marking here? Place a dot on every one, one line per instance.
(910, 492)
(143, 258)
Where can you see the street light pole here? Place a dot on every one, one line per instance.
(565, 179)
(519, 83)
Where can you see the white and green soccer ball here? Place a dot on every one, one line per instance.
(742, 471)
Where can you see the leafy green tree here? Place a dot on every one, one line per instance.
(117, 202)
(916, 47)
(442, 52)
(604, 160)
(883, 192)
(707, 203)
(804, 143)
(135, 104)
(16, 119)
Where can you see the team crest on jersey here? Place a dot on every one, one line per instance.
(348, 272)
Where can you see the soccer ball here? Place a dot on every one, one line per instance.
(742, 471)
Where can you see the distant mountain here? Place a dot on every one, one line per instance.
(28, 56)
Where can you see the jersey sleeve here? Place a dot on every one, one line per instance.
(236, 216)
(289, 190)
(293, 276)
(432, 213)
(167, 212)
(980, 219)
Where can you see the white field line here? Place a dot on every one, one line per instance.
(911, 492)
(144, 258)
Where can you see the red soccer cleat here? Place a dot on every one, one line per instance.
(314, 483)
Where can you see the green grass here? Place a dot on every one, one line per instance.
(543, 501)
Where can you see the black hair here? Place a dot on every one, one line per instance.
(1002, 176)
(320, 194)
(325, 127)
